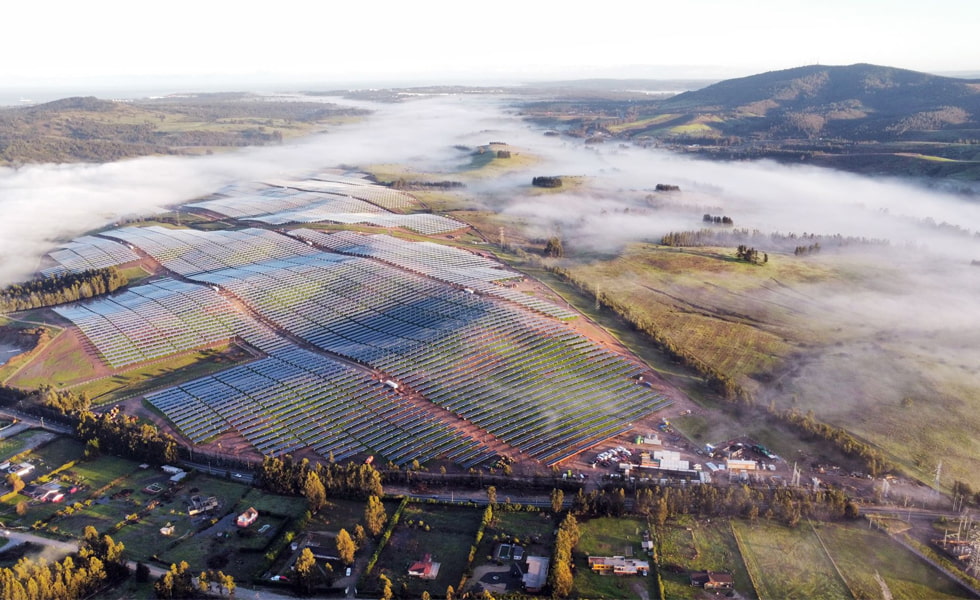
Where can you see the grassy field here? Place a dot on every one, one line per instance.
(610, 537)
(793, 563)
(164, 373)
(62, 363)
(445, 532)
(788, 563)
(692, 545)
(862, 553)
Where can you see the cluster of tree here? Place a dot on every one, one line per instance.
(553, 248)
(178, 582)
(666, 187)
(561, 578)
(546, 181)
(287, 476)
(718, 220)
(117, 434)
(807, 250)
(63, 401)
(874, 460)
(751, 255)
(775, 241)
(98, 563)
(413, 184)
(59, 289)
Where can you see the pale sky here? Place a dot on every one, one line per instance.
(115, 41)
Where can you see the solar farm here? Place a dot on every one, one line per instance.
(89, 252)
(371, 344)
(317, 200)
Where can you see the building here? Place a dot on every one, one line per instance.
(198, 505)
(21, 469)
(737, 465)
(619, 565)
(712, 580)
(247, 518)
(536, 575)
(424, 569)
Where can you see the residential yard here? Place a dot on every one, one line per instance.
(688, 544)
(608, 536)
(444, 532)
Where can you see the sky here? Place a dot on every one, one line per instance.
(114, 42)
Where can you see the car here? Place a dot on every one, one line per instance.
(237, 476)
(347, 573)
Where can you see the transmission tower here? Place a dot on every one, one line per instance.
(501, 231)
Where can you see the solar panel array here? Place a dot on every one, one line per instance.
(189, 251)
(445, 263)
(89, 252)
(530, 381)
(158, 319)
(277, 205)
(379, 195)
(333, 202)
(296, 399)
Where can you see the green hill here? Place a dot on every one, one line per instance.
(858, 102)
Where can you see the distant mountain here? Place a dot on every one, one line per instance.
(856, 102)
(94, 130)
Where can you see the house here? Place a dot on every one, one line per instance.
(247, 518)
(619, 565)
(199, 505)
(536, 575)
(712, 580)
(424, 569)
(21, 470)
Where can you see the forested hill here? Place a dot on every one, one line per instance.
(95, 130)
(856, 102)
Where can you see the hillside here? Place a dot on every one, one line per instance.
(857, 102)
(94, 130)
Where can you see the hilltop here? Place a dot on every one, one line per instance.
(858, 102)
(95, 130)
(864, 118)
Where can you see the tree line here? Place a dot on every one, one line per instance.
(773, 241)
(97, 564)
(61, 289)
(726, 386)
(351, 480)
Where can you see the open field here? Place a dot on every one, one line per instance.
(445, 532)
(780, 331)
(788, 563)
(792, 563)
(163, 373)
(862, 553)
(63, 362)
(700, 545)
(610, 536)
